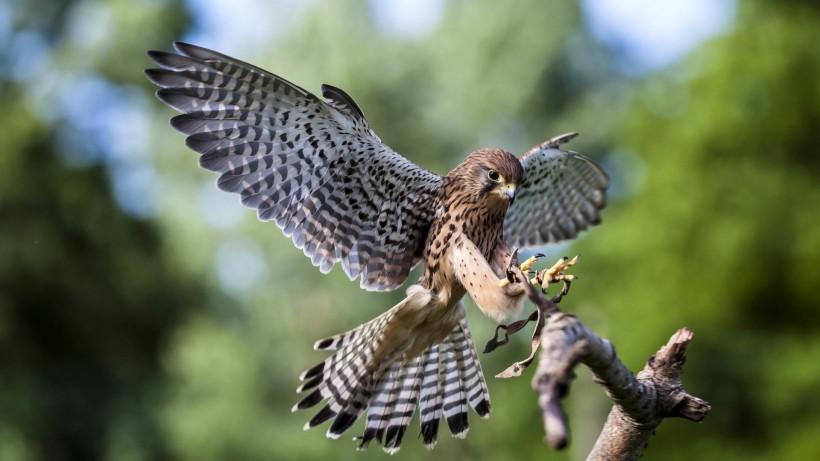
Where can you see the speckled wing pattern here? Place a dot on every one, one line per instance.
(562, 194)
(314, 167)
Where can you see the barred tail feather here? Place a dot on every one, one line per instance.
(336, 378)
(347, 378)
(382, 410)
(455, 401)
(390, 412)
(442, 381)
(431, 398)
(470, 368)
(403, 408)
(359, 333)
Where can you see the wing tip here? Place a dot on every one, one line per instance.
(554, 142)
(154, 76)
(188, 49)
(155, 54)
(561, 139)
(342, 101)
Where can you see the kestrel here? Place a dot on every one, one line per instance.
(317, 169)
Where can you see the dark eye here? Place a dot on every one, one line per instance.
(494, 176)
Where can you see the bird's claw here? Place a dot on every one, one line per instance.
(525, 267)
(540, 316)
(555, 273)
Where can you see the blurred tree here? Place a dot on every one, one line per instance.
(725, 236)
(88, 299)
(88, 294)
(181, 338)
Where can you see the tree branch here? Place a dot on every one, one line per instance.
(641, 402)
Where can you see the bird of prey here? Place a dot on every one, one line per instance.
(317, 170)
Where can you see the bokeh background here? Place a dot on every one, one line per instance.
(144, 315)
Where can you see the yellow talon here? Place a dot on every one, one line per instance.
(546, 276)
(554, 273)
(527, 265)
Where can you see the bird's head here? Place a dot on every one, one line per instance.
(492, 175)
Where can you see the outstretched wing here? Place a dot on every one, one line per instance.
(561, 195)
(315, 168)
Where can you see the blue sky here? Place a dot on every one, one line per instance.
(646, 34)
(650, 34)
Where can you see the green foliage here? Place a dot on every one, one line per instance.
(725, 236)
(87, 294)
(87, 301)
(180, 336)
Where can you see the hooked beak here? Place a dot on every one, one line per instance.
(510, 189)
